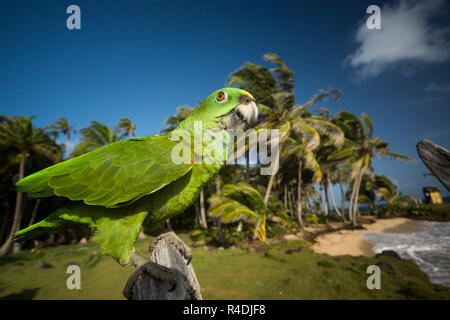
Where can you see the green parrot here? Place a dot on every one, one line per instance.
(122, 186)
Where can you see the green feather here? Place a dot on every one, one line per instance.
(117, 173)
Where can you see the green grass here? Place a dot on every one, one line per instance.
(240, 273)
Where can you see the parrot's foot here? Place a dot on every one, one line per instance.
(151, 268)
(176, 241)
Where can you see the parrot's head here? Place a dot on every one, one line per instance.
(233, 108)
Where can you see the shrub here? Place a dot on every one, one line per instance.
(330, 218)
(311, 217)
(430, 211)
(275, 229)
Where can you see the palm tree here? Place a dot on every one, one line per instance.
(173, 121)
(95, 136)
(367, 190)
(274, 92)
(202, 217)
(62, 126)
(296, 119)
(240, 202)
(256, 79)
(125, 128)
(330, 154)
(262, 83)
(21, 140)
(336, 176)
(308, 134)
(374, 186)
(360, 133)
(392, 197)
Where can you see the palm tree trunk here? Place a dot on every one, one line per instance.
(5, 220)
(341, 186)
(222, 239)
(269, 187)
(7, 246)
(352, 196)
(358, 192)
(197, 211)
(373, 207)
(247, 166)
(291, 207)
(285, 197)
(202, 210)
(320, 199)
(272, 177)
(33, 214)
(218, 186)
(299, 195)
(334, 202)
(355, 200)
(352, 202)
(327, 202)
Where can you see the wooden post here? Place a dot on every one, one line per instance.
(188, 288)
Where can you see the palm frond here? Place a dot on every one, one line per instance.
(309, 135)
(368, 124)
(395, 155)
(334, 135)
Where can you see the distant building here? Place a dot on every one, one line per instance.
(432, 195)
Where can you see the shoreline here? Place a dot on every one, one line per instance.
(350, 242)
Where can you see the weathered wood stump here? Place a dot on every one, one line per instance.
(437, 159)
(167, 255)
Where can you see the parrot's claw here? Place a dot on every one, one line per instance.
(184, 250)
(155, 271)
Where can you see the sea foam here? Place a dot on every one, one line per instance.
(429, 247)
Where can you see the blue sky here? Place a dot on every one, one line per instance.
(142, 59)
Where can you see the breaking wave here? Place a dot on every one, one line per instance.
(429, 247)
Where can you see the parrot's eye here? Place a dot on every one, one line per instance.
(221, 97)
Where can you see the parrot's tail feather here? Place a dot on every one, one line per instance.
(116, 229)
(35, 185)
(36, 230)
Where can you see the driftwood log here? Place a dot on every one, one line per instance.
(437, 159)
(166, 254)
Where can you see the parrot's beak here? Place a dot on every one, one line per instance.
(244, 116)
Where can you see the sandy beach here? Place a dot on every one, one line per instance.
(350, 242)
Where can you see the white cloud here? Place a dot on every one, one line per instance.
(426, 101)
(438, 87)
(69, 145)
(407, 34)
(437, 133)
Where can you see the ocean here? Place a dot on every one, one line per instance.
(429, 247)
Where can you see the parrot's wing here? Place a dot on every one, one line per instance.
(110, 176)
